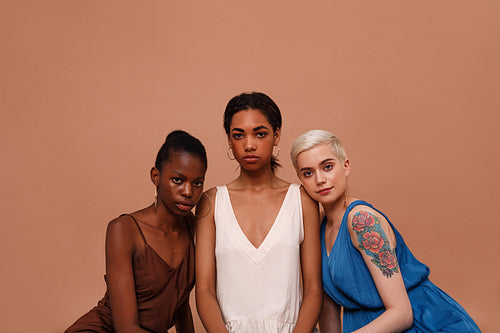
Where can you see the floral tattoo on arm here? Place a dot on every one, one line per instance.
(373, 241)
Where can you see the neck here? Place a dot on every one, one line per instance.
(334, 211)
(163, 219)
(257, 178)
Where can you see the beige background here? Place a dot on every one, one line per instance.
(90, 89)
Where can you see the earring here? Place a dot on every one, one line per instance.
(277, 153)
(156, 196)
(229, 150)
(346, 192)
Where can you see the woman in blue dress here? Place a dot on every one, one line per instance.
(367, 268)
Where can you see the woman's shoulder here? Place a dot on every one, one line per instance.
(364, 214)
(122, 223)
(205, 206)
(123, 229)
(209, 195)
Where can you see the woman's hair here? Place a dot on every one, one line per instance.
(255, 101)
(180, 142)
(313, 138)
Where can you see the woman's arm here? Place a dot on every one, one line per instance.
(206, 299)
(184, 319)
(329, 319)
(375, 239)
(310, 260)
(120, 248)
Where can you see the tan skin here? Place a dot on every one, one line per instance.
(252, 135)
(324, 175)
(179, 185)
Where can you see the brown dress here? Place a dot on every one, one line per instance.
(160, 291)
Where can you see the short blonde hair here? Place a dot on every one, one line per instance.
(313, 138)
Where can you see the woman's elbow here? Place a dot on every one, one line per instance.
(407, 320)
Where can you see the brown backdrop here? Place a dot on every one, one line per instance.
(90, 89)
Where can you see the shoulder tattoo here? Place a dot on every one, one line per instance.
(373, 241)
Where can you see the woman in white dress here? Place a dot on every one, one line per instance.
(257, 236)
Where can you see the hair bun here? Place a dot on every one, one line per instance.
(176, 135)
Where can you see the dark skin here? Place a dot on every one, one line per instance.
(179, 186)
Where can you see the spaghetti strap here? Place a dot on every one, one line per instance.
(189, 229)
(138, 227)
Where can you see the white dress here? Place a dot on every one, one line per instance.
(258, 289)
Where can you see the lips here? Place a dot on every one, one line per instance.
(324, 191)
(250, 158)
(184, 205)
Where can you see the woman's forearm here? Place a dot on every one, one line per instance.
(209, 311)
(392, 320)
(309, 311)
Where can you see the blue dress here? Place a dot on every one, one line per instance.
(347, 280)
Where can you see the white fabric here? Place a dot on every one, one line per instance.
(258, 289)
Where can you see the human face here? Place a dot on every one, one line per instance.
(323, 174)
(251, 137)
(180, 183)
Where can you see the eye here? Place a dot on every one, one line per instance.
(237, 136)
(307, 174)
(261, 134)
(328, 167)
(198, 183)
(176, 180)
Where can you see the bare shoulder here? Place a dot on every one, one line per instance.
(310, 209)
(208, 196)
(123, 232)
(306, 199)
(206, 205)
(123, 225)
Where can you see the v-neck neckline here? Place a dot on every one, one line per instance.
(344, 218)
(174, 268)
(258, 254)
(146, 244)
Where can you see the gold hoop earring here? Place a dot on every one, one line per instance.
(278, 153)
(228, 154)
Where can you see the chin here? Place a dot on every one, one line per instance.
(326, 200)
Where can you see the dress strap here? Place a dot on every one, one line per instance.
(189, 229)
(138, 227)
(357, 203)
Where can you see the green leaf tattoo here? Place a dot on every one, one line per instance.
(373, 241)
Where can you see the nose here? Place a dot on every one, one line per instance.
(320, 179)
(187, 190)
(249, 144)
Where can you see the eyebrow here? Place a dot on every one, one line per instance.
(321, 163)
(327, 160)
(258, 128)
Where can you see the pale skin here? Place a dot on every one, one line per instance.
(256, 186)
(180, 185)
(324, 175)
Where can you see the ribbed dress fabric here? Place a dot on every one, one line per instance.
(349, 283)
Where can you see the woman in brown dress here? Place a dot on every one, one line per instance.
(150, 253)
